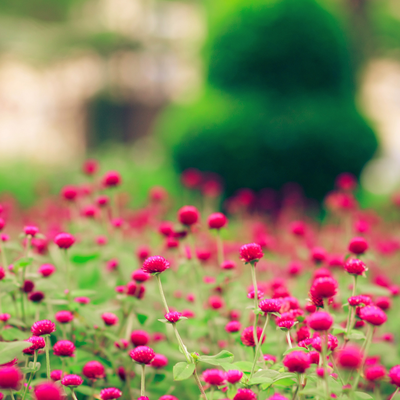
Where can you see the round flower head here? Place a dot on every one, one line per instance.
(217, 221)
(140, 338)
(64, 348)
(143, 398)
(358, 300)
(355, 266)
(82, 300)
(142, 354)
(251, 253)
(233, 376)
(324, 287)
(245, 394)
(69, 192)
(109, 319)
(358, 245)
(173, 316)
(31, 230)
(375, 372)
(110, 394)
(48, 391)
(155, 264)
(46, 270)
(298, 228)
(159, 361)
(4, 317)
(93, 370)
(316, 342)
(2, 273)
(112, 179)
(28, 286)
(36, 297)
(56, 375)
(168, 397)
(64, 240)
(121, 344)
(350, 357)
(214, 377)
(90, 167)
(318, 255)
(140, 276)
(277, 396)
(71, 380)
(37, 343)
(270, 357)
(233, 326)
(320, 321)
(372, 314)
(63, 317)
(10, 378)
(297, 361)
(384, 303)
(215, 302)
(247, 336)
(270, 305)
(44, 327)
(394, 375)
(228, 264)
(188, 215)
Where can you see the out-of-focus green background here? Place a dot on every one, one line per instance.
(261, 92)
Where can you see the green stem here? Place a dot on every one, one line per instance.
(47, 348)
(196, 377)
(12, 395)
(254, 279)
(31, 374)
(324, 343)
(162, 293)
(289, 340)
(394, 394)
(259, 345)
(188, 357)
(220, 248)
(130, 324)
(3, 255)
(73, 394)
(366, 346)
(212, 393)
(143, 381)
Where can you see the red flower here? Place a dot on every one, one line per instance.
(228, 264)
(142, 354)
(355, 267)
(217, 221)
(63, 317)
(318, 255)
(350, 357)
(383, 303)
(10, 378)
(216, 302)
(93, 370)
(69, 192)
(214, 377)
(270, 305)
(155, 264)
(140, 338)
(140, 276)
(31, 230)
(44, 327)
(36, 297)
(245, 394)
(358, 245)
(251, 252)
(360, 299)
(168, 397)
(233, 326)
(56, 375)
(173, 316)
(110, 394)
(394, 375)
(188, 215)
(71, 380)
(320, 321)
(247, 336)
(64, 348)
(233, 376)
(46, 270)
(298, 228)
(372, 314)
(324, 287)
(4, 317)
(109, 319)
(64, 240)
(47, 391)
(297, 361)
(159, 361)
(375, 372)
(37, 343)
(90, 167)
(111, 179)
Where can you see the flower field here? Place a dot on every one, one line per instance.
(177, 301)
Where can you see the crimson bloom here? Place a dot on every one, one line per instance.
(217, 221)
(10, 378)
(142, 354)
(320, 321)
(358, 245)
(251, 253)
(214, 377)
(110, 394)
(355, 266)
(64, 240)
(93, 370)
(188, 215)
(372, 314)
(245, 394)
(155, 264)
(64, 348)
(44, 327)
(48, 391)
(297, 361)
(247, 336)
(71, 381)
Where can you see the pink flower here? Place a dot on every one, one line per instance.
(10, 378)
(142, 354)
(233, 376)
(214, 377)
(233, 326)
(46, 270)
(64, 348)
(270, 305)
(109, 319)
(56, 375)
(44, 327)
(247, 336)
(374, 315)
(251, 253)
(159, 361)
(140, 338)
(320, 321)
(63, 317)
(228, 264)
(37, 343)
(217, 221)
(358, 245)
(173, 316)
(111, 179)
(245, 394)
(297, 361)
(155, 264)
(64, 240)
(46, 391)
(324, 287)
(93, 370)
(31, 230)
(71, 380)
(350, 357)
(355, 267)
(375, 372)
(394, 375)
(188, 215)
(110, 394)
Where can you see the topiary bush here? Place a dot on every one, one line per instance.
(279, 105)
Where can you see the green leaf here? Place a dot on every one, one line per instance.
(362, 395)
(86, 390)
(356, 335)
(338, 330)
(142, 318)
(244, 365)
(11, 350)
(163, 320)
(222, 357)
(259, 380)
(84, 258)
(269, 373)
(22, 263)
(295, 349)
(13, 334)
(284, 382)
(373, 289)
(183, 371)
(316, 393)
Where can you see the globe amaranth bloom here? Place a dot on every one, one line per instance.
(358, 245)
(214, 377)
(233, 326)
(46, 270)
(140, 338)
(394, 375)
(64, 348)
(245, 394)
(358, 300)
(324, 287)
(63, 317)
(251, 253)
(270, 305)
(349, 358)
(355, 266)
(159, 361)
(56, 375)
(109, 319)
(110, 394)
(173, 316)
(233, 376)
(297, 361)
(142, 354)
(10, 378)
(44, 327)
(373, 315)
(93, 370)
(375, 372)
(111, 179)
(48, 390)
(168, 397)
(188, 215)
(247, 336)
(37, 343)
(71, 380)
(155, 264)
(320, 321)
(64, 240)
(217, 221)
